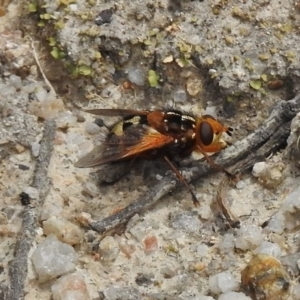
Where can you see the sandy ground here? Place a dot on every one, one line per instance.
(230, 59)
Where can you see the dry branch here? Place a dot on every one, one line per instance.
(255, 147)
(18, 267)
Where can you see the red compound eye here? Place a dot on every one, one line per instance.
(206, 133)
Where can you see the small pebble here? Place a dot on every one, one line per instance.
(248, 237)
(137, 76)
(32, 192)
(222, 283)
(71, 286)
(52, 258)
(108, 249)
(186, 221)
(64, 230)
(269, 249)
(259, 169)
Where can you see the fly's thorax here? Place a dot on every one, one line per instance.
(177, 123)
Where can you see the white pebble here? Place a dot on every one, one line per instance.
(92, 128)
(296, 292)
(136, 76)
(32, 192)
(203, 298)
(41, 94)
(193, 39)
(205, 212)
(268, 248)
(187, 221)
(52, 259)
(159, 177)
(202, 250)
(180, 96)
(35, 149)
(65, 120)
(227, 243)
(259, 169)
(248, 237)
(276, 223)
(90, 188)
(15, 81)
(7, 90)
(222, 283)
(109, 249)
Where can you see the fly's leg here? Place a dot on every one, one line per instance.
(182, 180)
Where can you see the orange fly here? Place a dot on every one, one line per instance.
(153, 133)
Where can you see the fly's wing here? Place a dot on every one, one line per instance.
(117, 112)
(135, 140)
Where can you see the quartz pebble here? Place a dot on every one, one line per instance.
(108, 249)
(203, 298)
(291, 208)
(227, 243)
(71, 286)
(48, 105)
(125, 293)
(180, 96)
(202, 250)
(32, 192)
(270, 175)
(268, 248)
(15, 81)
(35, 149)
(64, 230)
(222, 283)
(187, 221)
(291, 263)
(92, 128)
(53, 258)
(276, 223)
(137, 76)
(65, 120)
(296, 292)
(248, 237)
(259, 169)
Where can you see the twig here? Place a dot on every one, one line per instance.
(261, 138)
(223, 206)
(40, 67)
(18, 266)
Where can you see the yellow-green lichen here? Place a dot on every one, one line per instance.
(153, 78)
(32, 7)
(57, 53)
(264, 56)
(255, 84)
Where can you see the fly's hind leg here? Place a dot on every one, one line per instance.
(182, 180)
